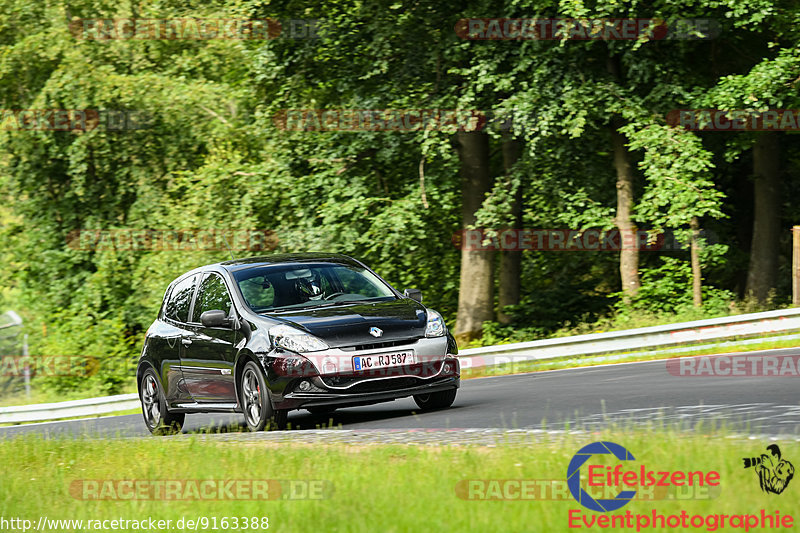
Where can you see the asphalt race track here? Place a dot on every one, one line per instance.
(580, 398)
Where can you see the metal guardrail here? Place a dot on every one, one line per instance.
(715, 329)
(77, 408)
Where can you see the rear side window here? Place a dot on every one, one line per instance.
(180, 299)
(212, 295)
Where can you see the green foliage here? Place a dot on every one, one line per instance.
(211, 156)
(667, 289)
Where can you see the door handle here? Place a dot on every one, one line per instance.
(186, 342)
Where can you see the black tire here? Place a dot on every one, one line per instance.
(255, 401)
(154, 407)
(324, 410)
(436, 400)
(280, 419)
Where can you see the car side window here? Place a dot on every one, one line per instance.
(180, 300)
(213, 294)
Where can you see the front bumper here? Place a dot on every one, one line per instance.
(302, 400)
(336, 382)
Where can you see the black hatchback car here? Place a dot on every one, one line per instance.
(266, 335)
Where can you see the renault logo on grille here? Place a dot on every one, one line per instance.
(375, 332)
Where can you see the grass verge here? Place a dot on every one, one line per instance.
(368, 488)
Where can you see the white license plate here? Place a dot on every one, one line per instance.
(383, 360)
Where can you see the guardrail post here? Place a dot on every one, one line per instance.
(796, 266)
(27, 370)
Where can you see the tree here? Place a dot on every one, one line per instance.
(475, 295)
(510, 270)
(762, 274)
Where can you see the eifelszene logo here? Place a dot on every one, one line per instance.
(594, 460)
(574, 476)
(774, 472)
(615, 476)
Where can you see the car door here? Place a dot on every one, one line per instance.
(208, 353)
(168, 335)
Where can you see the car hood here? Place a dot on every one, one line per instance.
(349, 324)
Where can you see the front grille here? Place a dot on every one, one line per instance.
(398, 374)
(384, 385)
(379, 345)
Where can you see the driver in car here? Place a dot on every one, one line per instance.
(308, 288)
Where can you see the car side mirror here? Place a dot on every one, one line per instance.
(414, 294)
(215, 319)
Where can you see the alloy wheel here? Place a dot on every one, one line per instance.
(251, 396)
(151, 401)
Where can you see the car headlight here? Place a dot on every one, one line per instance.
(295, 366)
(294, 340)
(435, 326)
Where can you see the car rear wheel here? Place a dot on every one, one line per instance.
(154, 407)
(436, 400)
(255, 401)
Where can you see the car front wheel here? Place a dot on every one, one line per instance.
(436, 400)
(154, 407)
(255, 401)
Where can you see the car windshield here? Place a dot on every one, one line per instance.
(287, 287)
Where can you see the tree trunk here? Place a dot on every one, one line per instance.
(762, 274)
(697, 273)
(475, 294)
(629, 248)
(510, 261)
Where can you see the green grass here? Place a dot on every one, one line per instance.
(370, 487)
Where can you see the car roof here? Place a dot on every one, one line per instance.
(310, 257)
(274, 259)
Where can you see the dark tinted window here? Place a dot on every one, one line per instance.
(258, 292)
(213, 295)
(308, 284)
(180, 299)
(355, 282)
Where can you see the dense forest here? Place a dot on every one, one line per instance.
(288, 126)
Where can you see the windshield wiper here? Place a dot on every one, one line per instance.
(323, 304)
(290, 308)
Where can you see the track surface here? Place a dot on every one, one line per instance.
(581, 398)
